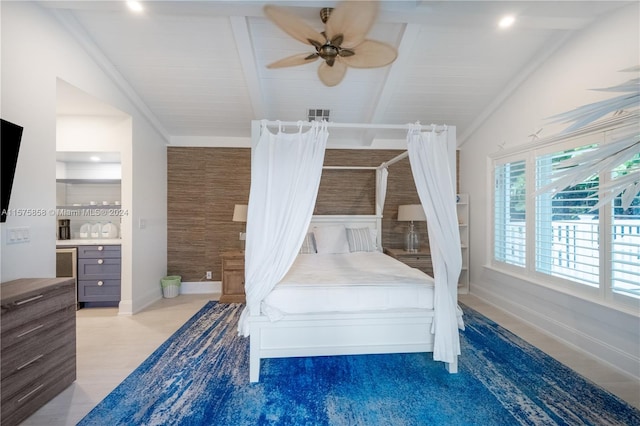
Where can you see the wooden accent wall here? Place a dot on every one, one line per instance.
(204, 184)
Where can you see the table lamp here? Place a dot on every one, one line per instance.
(410, 213)
(240, 215)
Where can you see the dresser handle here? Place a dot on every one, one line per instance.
(26, 364)
(100, 248)
(31, 299)
(100, 283)
(100, 261)
(38, 327)
(30, 393)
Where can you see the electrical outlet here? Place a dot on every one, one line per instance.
(209, 276)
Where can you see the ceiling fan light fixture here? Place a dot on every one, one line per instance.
(506, 21)
(135, 6)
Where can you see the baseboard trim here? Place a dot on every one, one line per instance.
(201, 287)
(576, 339)
(127, 307)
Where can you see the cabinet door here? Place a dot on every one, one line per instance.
(233, 282)
(98, 269)
(99, 291)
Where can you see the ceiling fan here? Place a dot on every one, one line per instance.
(342, 44)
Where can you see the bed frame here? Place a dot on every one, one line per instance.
(325, 334)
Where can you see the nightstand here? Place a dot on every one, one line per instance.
(420, 260)
(232, 277)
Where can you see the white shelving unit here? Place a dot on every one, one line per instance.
(462, 207)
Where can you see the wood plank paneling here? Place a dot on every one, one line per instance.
(204, 184)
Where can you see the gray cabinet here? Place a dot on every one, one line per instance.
(99, 272)
(38, 338)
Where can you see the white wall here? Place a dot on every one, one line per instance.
(589, 59)
(36, 51)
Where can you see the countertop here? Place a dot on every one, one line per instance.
(88, 242)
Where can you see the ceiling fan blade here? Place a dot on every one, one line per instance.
(292, 61)
(371, 54)
(353, 20)
(293, 25)
(331, 76)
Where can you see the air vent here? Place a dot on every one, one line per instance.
(318, 114)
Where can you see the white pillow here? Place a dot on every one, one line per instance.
(374, 237)
(331, 239)
(360, 239)
(308, 245)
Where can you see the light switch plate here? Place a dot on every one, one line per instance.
(18, 235)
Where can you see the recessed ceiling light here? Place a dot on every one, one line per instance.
(506, 21)
(94, 158)
(135, 6)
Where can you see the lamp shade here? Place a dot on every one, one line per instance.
(409, 212)
(240, 213)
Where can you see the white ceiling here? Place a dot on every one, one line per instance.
(198, 68)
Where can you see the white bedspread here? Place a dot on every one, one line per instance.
(350, 282)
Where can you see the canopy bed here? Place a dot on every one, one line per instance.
(383, 306)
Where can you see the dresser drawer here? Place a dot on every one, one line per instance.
(99, 290)
(31, 329)
(236, 263)
(99, 269)
(22, 395)
(22, 311)
(31, 356)
(418, 261)
(98, 252)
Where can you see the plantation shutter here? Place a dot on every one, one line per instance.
(625, 238)
(567, 237)
(509, 239)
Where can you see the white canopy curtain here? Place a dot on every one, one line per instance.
(382, 173)
(285, 176)
(432, 176)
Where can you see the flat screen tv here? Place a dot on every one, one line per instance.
(10, 138)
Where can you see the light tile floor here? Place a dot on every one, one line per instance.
(111, 346)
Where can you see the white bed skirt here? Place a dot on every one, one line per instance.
(395, 331)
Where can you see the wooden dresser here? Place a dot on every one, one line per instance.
(419, 260)
(38, 344)
(232, 277)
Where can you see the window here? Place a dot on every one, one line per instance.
(625, 238)
(578, 237)
(510, 214)
(567, 238)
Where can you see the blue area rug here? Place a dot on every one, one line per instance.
(200, 376)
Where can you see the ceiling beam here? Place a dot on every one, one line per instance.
(242, 36)
(396, 71)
